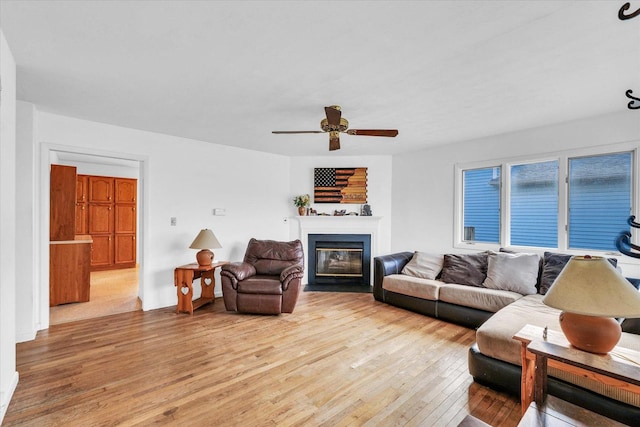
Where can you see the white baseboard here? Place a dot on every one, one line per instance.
(6, 395)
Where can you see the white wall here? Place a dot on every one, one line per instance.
(423, 182)
(26, 222)
(8, 373)
(179, 178)
(379, 172)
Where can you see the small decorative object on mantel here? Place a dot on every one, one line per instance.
(623, 242)
(366, 210)
(302, 202)
(340, 212)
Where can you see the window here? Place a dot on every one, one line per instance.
(482, 205)
(599, 200)
(534, 204)
(566, 202)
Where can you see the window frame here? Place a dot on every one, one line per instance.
(562, 157)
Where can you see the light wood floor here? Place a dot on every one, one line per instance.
(111, 292)
(341, 359)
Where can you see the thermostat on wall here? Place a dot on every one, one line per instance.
(219, 212)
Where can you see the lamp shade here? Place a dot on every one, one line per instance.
(205, 240)
(591, 286)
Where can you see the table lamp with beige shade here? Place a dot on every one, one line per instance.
(205, 240)
(591, 292)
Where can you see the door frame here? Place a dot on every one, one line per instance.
(41, 286)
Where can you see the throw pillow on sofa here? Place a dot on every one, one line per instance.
(552, 266)
(424, 265)
(516, 272)
(465, 269)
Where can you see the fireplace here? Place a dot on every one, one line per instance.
(336, 259)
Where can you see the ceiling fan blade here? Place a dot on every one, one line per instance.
(334, 141)
(374, 132)
(333, 115)
(296, 131)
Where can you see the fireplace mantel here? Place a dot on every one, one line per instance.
(338, 225)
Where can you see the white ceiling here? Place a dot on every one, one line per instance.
(231, 72)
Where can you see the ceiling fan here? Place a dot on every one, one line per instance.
(335, 124)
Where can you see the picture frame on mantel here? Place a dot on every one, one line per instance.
(340, 185)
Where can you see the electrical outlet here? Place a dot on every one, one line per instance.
(174, 220)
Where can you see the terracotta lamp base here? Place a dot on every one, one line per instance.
(590, 333)
(204, 257)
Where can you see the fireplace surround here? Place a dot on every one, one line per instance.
(335, 259)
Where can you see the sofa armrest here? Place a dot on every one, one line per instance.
(237, 271)
(385, 265)
(295, 271)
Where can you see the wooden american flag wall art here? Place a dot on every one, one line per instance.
(340, 185)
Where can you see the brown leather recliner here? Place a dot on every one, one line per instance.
(268, 281)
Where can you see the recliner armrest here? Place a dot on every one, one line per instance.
(295, 271)
(238, 271)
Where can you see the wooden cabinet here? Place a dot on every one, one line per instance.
(82, 211)
(125, 249)
(62, 216)
(69, 274)
(100, 218)
(126, 190)
(100, 189)
(102, 251)
(111, 219)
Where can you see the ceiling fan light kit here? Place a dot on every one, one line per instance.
(334, 124)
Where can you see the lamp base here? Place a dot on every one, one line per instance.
(204, 257)
(590, 333)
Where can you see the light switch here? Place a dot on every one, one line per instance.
(174, 220)
(219, 212)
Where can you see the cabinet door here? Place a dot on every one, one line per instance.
(62, 217)
(125, 249)
(125, 219)
(82, 188)
(100, 189)
(101, 251)
(125, 190)
(81, 218)
(100, 219)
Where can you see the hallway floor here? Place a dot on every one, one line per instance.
(112, 291)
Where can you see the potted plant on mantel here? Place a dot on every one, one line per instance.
(302, 202)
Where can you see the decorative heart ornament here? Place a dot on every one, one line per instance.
(184, 290)
(207, 281)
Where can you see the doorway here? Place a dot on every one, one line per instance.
(115, 290)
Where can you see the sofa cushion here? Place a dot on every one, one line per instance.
(480, 298)
(495, 336)
(424, 265)
(465, 269)
(413, 286)
(517, 272)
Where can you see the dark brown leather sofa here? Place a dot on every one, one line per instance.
(498, 374)
(267, 281)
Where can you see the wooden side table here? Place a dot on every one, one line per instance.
(539, 351)
(184, 276)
